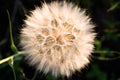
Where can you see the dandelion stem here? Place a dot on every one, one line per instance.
(14, 73)
(63, 78)
(11, 63)
(103, 51)
(106, 58)
(35, 74)
(8, 58)
(11, 37)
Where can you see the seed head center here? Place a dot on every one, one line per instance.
(59, 39)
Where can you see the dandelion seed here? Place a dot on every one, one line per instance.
(58, 38)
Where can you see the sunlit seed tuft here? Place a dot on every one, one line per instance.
(54, 23)
(68, 27)
(45, 31)
(69, 37)
(40, 38)
(49, 41)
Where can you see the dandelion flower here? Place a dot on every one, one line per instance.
(58, 38)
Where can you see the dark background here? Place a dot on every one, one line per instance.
(105, 63)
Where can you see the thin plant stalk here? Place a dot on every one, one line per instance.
(13, 56)
(13, 47)
(35, 74)
(11, 63)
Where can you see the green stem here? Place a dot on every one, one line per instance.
(14, 74)
(35, 74)
(103, 51)
(8, 58)
(11, 37)
(63, 78)
(106, 58)
(11, 64)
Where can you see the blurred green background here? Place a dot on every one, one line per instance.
(105, 62)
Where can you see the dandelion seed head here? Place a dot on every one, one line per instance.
(58, 38)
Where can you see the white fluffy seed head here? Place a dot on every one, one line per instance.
(58, 38)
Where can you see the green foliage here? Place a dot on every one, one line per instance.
(96, 73)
